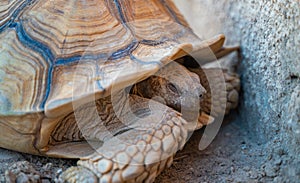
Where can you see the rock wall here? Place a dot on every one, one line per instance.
(268, 32)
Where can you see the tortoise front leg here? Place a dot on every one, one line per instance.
(212, 80)
(138, 154)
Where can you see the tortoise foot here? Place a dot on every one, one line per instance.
(138, 154)
(78, 174)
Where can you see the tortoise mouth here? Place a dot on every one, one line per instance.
(191, 116)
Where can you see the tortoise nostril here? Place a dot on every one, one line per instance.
(201, 96)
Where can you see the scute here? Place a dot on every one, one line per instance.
(58, 51)
(68, 28)
(8, 10)
(23, 76)
(19, 132)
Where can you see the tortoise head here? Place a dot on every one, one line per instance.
(175, 86)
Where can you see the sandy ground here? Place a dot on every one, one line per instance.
(236, 155)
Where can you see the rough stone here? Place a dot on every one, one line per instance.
(269, 35)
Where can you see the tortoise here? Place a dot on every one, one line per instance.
(64, 60)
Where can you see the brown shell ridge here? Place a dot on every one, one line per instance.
(10, 11)
(119, 9)
(126, 23)
(126, 51)
(44, 51)
(119, 53)
(99, 57)
(162, 13)
(15, 130)
(174, 12)
(47, 53)
(168, 7)
(32, 75)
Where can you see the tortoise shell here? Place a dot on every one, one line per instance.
(49, 49)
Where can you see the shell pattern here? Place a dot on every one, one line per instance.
(51, 47)
(53, 52)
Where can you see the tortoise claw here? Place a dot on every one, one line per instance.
(204, 119)
(78, 174)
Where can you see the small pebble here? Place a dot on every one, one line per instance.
(243, 147)
(246, 168)
(227, 134)
(253, 175)
(22, 178)
(263, 174)
(45, 181)
(270, 170)
(47, 167)
(269, 157)
(191, 169)
(280, 152)
(222, 164)
(278, 162)
(59, 171)
(36, 177)
(10, 177)
(277, 180)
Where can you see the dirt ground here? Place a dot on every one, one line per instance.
(236, 155)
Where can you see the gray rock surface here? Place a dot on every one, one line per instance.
(269, 35)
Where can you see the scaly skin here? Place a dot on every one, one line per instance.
(143, 148)
(216, 76)
(160, 87)
(137, 155)
(135, 148)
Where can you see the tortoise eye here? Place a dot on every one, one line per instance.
(172, 87)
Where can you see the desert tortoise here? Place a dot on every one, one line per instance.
(58, 55)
